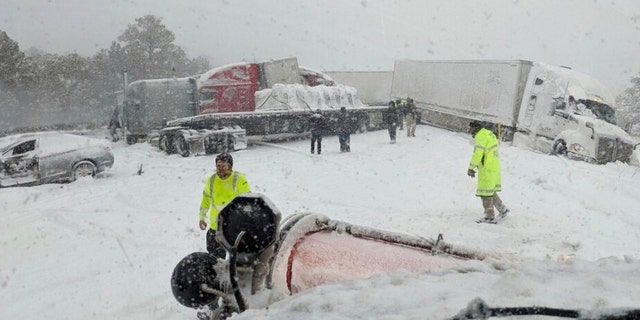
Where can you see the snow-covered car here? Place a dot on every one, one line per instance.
(43, 157)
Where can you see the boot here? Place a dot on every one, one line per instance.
(497, 203)
(487, 204)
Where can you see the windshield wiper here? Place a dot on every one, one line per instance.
(478, 309)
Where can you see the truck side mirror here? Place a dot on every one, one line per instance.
(590, 126)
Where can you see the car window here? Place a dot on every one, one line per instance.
(24, 147)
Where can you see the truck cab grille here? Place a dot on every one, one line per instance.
(612, 149)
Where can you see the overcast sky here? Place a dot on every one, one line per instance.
(597, 37)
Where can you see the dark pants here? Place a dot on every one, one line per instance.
(316, 137)
(213, 246)
(345, 144)
(392, 132)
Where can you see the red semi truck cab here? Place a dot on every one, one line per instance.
(232, 88)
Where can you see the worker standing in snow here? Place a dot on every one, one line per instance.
(390, 117)
(317, 125)
(485, 159)
(411, 117)
(219, 189)
(344, 130)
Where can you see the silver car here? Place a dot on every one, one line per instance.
(35, 158)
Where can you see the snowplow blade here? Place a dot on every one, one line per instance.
(303, 251)
(314, 250)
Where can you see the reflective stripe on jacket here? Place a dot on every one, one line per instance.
(485, 159)
(218, 192)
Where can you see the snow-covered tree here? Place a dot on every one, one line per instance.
(150, 50)
(10, 59)
(628, 102)
(39, 89)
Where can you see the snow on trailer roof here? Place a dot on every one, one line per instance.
(582, 86)
(163, 80)
(205, 76)
(202, 78)
(314, 71)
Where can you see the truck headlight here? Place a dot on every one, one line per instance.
(577, 148)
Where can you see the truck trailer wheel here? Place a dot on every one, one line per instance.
(231, 146)
(182, 147)
(132, 139)
(164, 144)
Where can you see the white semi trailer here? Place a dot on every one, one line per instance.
(549, 108)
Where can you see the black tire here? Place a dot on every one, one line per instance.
(164, 143)
(132, 139)
(190, 274)
(181, 145)
(82, 169)
(231, 145)
(559, 147)
(210, 147)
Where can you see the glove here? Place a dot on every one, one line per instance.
(203, 225)
(471, 173)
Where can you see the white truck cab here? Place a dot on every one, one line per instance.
(571, 113)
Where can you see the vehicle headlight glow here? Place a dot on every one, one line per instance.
(577, 148)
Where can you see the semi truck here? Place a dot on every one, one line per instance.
(229, 105)
(549, 108)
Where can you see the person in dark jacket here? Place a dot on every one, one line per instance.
(343, 128)
(391, 120)
(317, 126)
(114, 124)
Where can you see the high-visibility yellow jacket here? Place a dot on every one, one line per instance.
(485, 159)
(218, 192)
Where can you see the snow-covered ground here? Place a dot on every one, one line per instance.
(106, 248)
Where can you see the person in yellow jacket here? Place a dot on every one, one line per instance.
(219, 189)
(485, 159)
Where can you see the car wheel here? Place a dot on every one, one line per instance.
(83, 169)
(182, 147)
(560, 147)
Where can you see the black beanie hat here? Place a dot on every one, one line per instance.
(225, 157)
